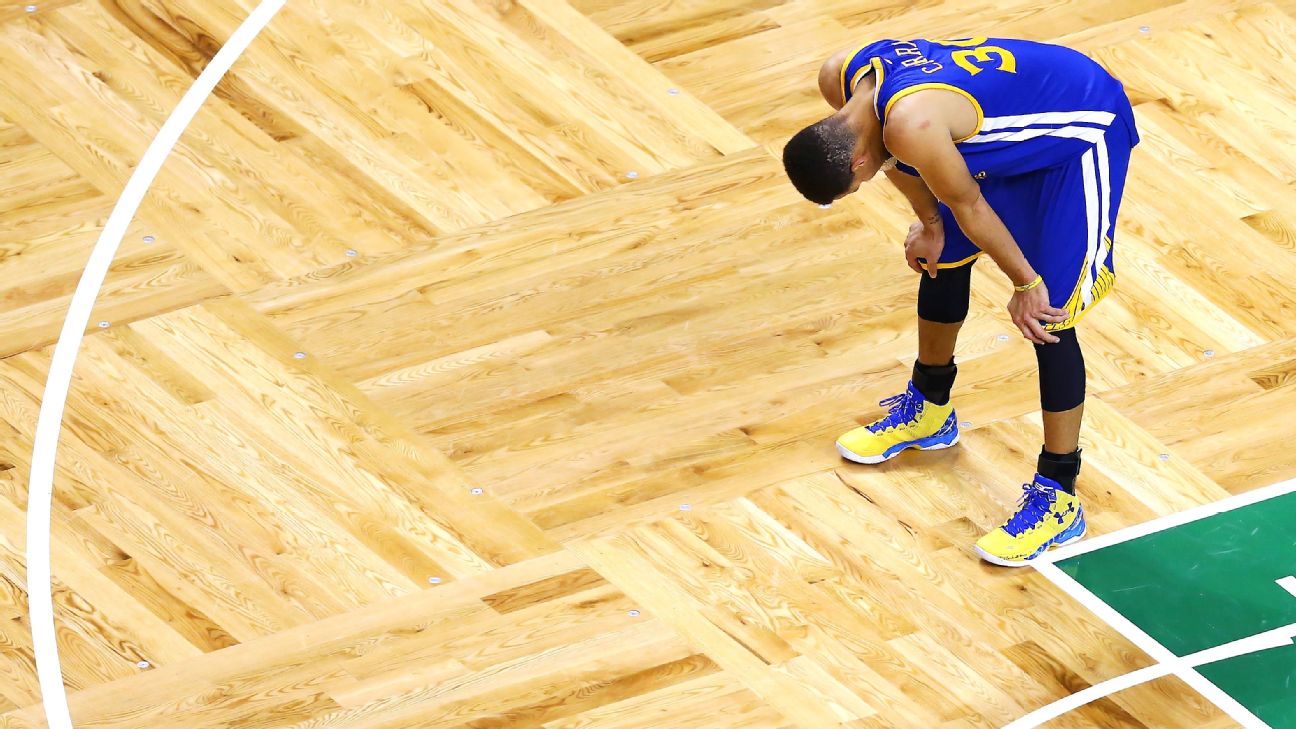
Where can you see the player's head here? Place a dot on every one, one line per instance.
(818, 160)
(833, 157)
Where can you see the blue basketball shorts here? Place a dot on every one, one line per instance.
(1064, 219)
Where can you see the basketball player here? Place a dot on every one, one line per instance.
(1008, 148)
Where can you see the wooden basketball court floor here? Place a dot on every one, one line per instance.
(471, 364)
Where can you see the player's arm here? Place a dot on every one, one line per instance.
(919, 134)
(920, 197)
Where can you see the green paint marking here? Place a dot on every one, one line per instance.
(1264, 682)
(1206, 583)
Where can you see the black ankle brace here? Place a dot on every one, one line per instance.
(935, 381)
(1062, 468)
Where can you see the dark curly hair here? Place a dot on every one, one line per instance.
(818, 160)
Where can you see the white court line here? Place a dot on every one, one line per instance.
(48, 426)
(1168, 521)
(1166, 662)
(1288, 584)
(1097, 691)
(1107, 613)
(1179, 666)
(1183, 667)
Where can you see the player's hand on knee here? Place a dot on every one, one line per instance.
(1030, 310)
(924, 242)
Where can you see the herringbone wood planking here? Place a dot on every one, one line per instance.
(642, 373)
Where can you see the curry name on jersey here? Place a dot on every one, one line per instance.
(1037, 104)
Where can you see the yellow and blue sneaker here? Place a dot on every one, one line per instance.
(1047, 517)
(912, 422)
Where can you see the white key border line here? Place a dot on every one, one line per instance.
(1159, 524)
(1166, 662)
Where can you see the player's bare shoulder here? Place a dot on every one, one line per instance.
(913, 118)
(830, 78)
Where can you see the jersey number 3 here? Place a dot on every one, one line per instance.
(973, 59)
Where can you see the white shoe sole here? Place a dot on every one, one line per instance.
(1026, 562)
(870, 460)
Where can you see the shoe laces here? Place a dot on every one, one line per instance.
(903, 409)
(1036, 501)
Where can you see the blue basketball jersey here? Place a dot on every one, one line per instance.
(1037, 104)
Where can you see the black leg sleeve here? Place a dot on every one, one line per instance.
(1061, 372)
(944, 299)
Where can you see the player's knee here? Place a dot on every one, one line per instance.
(944, 299)
(1061, 372)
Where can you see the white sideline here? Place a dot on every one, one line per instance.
(1168, 521)
(1166, 662)
(50, 423)
(1179, 667)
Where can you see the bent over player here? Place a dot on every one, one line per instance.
(1010, 148)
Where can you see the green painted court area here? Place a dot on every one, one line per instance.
(1264, 682)
(1206, 583)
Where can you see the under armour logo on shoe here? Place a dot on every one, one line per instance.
(1061, 515)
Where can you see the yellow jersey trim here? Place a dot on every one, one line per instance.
(842, 73)
(875, 64)
(963, 262)
(1102, 285)
(1108, 283)
(922, 87)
